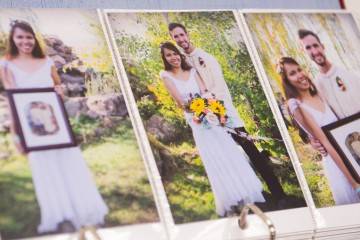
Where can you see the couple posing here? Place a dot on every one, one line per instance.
(335, 95)
(231, 177)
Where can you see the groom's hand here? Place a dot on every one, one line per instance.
(240, 129)
(318, 146)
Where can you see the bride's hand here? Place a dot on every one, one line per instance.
(315, 143)
(59, 90)
(17, 144)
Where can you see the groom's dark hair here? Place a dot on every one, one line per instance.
(173, 25)
(304, 33)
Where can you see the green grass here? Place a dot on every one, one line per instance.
(118, 170)
(120, 175)
(188, 188)
(189, 193)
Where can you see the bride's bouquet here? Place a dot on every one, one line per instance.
(207, 111)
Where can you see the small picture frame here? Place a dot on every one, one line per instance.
(344, 135)
(40, 119)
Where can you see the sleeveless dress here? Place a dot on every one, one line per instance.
(63, 183)
(341, 189)
(231, 177)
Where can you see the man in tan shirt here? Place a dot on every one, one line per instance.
(338, 87)
(211, 73)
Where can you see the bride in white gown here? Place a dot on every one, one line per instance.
(64, 187)
(311, 113)
(231, 177)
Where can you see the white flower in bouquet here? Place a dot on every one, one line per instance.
(212, 119)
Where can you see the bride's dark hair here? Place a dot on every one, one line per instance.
(172, 47)
(292, 92)
(12, 51)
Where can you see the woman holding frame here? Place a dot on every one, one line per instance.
(65, 190)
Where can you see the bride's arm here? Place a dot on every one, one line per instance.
(57, 81)
(170, 86)
(317, 132)
(7, 77)
(8, 82)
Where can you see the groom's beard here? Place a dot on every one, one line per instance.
(319, 59)
(185, 45)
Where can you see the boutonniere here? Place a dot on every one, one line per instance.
(340, 83)
(201, 62)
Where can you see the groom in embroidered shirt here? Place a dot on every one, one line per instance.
(338, 87)
(211, 73)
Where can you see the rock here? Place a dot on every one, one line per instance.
(107, 105)
(165, 160)
(72, 78)
(52, 41)
(60, 48)
(76, 106)
(59, 61)
(4, 114)
(161, 129)
(75, 89)
(68, 50)
(64, 58)
(50, 51)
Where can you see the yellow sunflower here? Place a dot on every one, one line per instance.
(197, 106)
(217, 108)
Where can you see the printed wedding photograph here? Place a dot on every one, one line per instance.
(99, 180)
(312, 63)
(208, 122)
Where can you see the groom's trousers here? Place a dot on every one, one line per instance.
(261, 163)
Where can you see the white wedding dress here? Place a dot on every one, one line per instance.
(231, 177)
(63, 183)
(342, 191)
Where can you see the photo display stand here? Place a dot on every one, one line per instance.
(332, 222)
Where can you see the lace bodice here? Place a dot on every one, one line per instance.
(40, 78)
(321, 118)
(186, 87)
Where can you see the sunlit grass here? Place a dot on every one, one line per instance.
(118, 170)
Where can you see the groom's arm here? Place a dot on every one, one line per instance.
(217, 73)
(223, 92)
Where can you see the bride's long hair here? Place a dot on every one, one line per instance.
(12, 51)
(292, 92)
(167, 66)
(289, 89)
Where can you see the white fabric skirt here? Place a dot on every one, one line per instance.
(65, 189)
(342, 191)
(231, 177)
